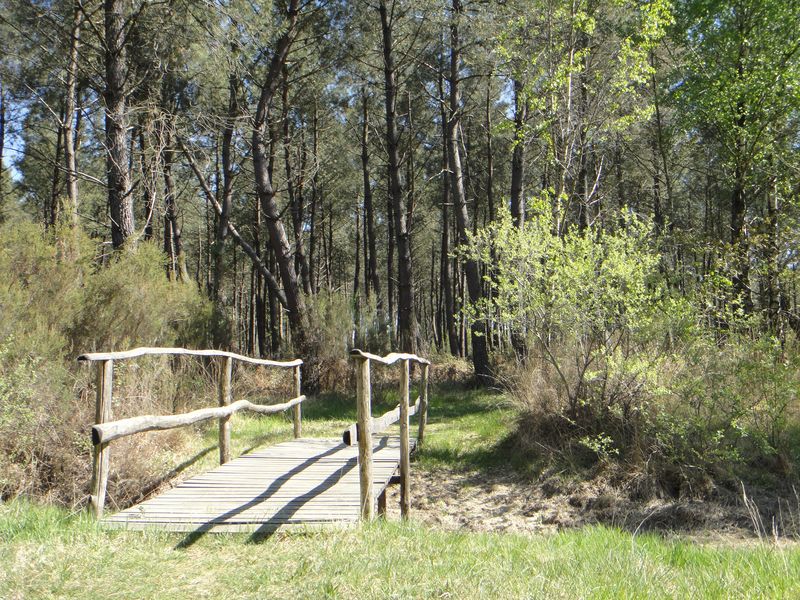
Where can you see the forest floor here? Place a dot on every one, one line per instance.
(469, 478)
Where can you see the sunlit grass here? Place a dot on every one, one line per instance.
(47, 553)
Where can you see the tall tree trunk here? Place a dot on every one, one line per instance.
(120, 200)
(226, 201)
(69, 208)
(518, 156)
(369, 217)
(480, 354)
(489, 151)
(295, 196)
(406, 317)
(312, 252)
(149, 166)
(55, 191)
(295, 303)
(446, 264)
(174, 243)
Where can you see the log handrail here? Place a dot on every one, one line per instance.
(379, 424)
(366, 425)
(103, 433)
(144, 351)
(105, 430)
(390, 358)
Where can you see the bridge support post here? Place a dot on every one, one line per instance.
(405, 449)
(364, 405)
(423, 404)
(225, 394)
(296, 413)
(100, 465)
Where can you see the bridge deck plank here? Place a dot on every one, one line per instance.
(303, 483)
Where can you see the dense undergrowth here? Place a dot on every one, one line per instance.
(52, 309)
(680, 391)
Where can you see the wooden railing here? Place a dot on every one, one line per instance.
(105, 430)
(366, 425)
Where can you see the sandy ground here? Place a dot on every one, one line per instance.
(503, 502)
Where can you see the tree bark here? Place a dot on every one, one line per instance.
(69, 208)
(518, 156)
(120, 200)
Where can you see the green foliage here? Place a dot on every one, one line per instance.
(618, 366)
(51, 309)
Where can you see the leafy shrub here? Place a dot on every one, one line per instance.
(53, 308)
(618, 370)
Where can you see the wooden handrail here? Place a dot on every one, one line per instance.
(379, 424)
(108, 432)
(390, 358)
(136, 352)
(105, 430)
(365, 426)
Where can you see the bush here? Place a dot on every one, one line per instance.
(53, 308)
(617, 370)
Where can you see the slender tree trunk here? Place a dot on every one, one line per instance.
(312, 250)
(149, 176)
(120, 199)
(480, 355)
(69, 208)
(173, 246)
(295, 197)
(446, 265)
(369, 217)
(406, 321)
(55, 192)
(489, 151)
(518, 156)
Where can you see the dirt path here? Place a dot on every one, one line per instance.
(502, 501)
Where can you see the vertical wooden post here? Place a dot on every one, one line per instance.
(225, 376)
(405, 454)
(364, 404)
(296, 413)
(382, 503)
(100, 466)
(423, 405)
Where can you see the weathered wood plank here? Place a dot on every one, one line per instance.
(304, 483)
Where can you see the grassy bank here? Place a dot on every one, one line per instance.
(47, 554)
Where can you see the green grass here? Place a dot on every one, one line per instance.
(47, 554)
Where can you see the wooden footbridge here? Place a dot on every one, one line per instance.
(303, 483)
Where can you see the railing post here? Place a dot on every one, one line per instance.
(296, 413)
(364, 404)
(423, 405)
(100, 465)
(225, 375)
(405, 450)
